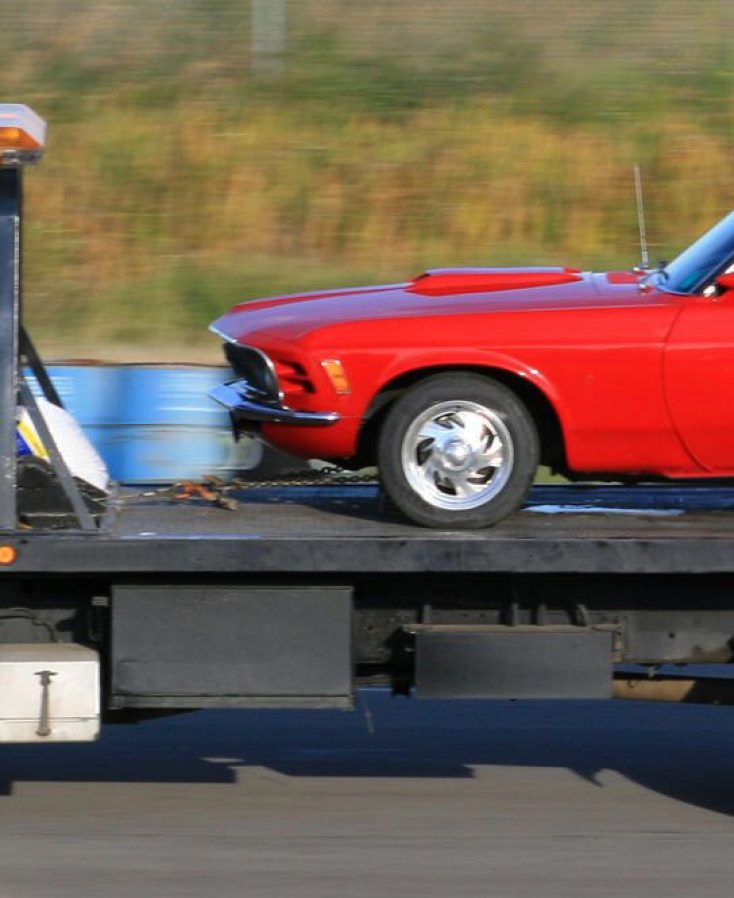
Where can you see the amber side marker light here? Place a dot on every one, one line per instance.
(337, 375)
(22, 135)
(8, 554)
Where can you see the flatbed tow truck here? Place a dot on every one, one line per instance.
(143, 605)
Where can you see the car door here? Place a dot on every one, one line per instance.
(699, 380)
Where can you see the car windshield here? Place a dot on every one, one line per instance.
(697, 265)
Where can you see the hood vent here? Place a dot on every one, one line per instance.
(444, 281)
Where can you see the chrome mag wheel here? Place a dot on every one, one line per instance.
(457, 450)
(457, 455)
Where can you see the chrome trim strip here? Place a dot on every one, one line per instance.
(238, 397)
(271, 367)
(221, 334)
(266, 359)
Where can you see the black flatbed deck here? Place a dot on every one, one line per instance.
(313, 530)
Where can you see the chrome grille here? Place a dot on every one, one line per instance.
(256, 368)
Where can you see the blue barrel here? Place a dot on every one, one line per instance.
(140, 453)
(154, 423)
(158, 394)
(89, 392)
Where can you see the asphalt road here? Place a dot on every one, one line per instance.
(425, 799)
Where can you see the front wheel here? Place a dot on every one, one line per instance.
(457, 451)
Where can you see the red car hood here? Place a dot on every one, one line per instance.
(437, 292)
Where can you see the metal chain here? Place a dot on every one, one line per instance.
(331, 475)
(217, 491)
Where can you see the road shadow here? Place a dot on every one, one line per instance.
(684, 752)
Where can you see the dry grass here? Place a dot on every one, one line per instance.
(397, 137)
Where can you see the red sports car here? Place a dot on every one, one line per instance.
(459, 383)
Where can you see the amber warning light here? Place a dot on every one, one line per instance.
(8, 555)
(22, 135)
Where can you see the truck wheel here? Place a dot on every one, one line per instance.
(457, 451)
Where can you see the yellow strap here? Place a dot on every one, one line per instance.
(28, 432)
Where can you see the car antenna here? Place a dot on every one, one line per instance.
(645, 264)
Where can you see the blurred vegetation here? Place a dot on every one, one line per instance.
(390, 137)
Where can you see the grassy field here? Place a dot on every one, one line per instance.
(390, 137)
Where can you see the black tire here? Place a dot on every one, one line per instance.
(419, 472)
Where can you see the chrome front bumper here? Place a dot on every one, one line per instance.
(245, 404)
